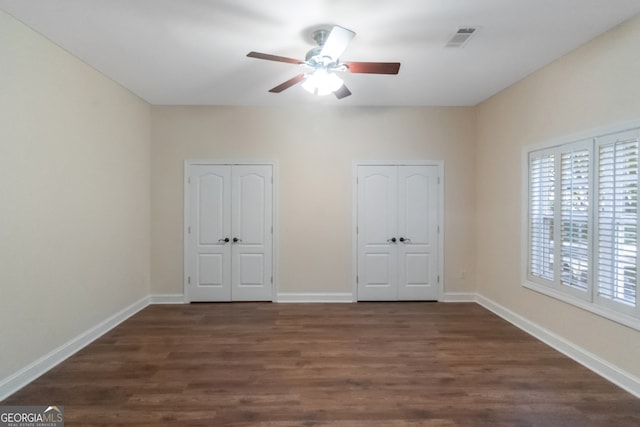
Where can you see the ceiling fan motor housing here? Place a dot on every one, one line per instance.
(320, 36)
(313, 57)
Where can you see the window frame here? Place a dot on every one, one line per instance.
(590, 299)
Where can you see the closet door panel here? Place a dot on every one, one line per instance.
(209, 256)
(418, 232)
(252, 210)
(377, 232)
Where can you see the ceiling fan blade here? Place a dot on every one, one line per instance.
(342, 92)
(274, 58)
(373, 67)
(337, 42)
(286, 85)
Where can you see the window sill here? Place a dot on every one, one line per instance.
(607, 313)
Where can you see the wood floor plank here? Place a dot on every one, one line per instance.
(365, 364)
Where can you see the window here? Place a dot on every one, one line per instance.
(582, 224)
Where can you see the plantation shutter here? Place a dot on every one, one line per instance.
(541, 215)
(618, 217)
(574, 217)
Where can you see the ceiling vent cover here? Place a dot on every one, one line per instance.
(461, 37)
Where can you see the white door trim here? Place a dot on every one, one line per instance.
(354, 217)
(185, 219)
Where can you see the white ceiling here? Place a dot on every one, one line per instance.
(193, 52)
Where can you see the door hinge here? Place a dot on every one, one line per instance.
(272, 280)
(189, 180)
(189, 230)
(189, 280)
(438, 279)
(272, 229)
(438, 229)
(357, 279)
(438, 180)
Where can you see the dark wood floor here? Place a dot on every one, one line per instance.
(365, 364)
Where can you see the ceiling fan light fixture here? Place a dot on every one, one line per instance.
(322, 83)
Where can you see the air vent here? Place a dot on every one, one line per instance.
(461, 37)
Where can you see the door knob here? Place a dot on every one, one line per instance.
(402, 239)
(225, 240)
(236, 240)
(392, 240)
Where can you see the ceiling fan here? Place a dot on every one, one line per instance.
(324, 60)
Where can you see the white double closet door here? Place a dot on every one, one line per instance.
(397, 232)
(229, 235)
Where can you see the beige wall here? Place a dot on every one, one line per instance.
(594, 86)
(74, 197)
(314, 148)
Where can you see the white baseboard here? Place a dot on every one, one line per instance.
(166, 299)
(314, 297)
(622, 379)
(459, 297)
(24, 376)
